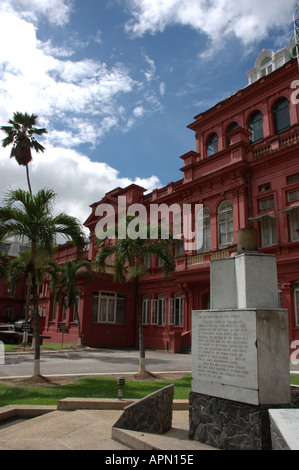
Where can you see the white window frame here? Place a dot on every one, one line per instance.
(293, 196)
(106, 313)
(162, 309)
(225, 219)
(179, 248)
(154, 311)
(203, 222)
(176, 310)
(212, 144)
(268, 231)
(178, 226)
(158, 310)
(266, 203)
(147, 261)
(294, 224)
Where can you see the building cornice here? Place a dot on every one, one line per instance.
(247, 94)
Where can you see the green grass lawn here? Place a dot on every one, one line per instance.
(94, 387)
(295, 379)
(88, 387)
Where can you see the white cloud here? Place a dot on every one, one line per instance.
(57, 12)
(77, 181)
(162, 88)
(248, 21)
(138, 111)
(150, 72)
(50, 50)
(98, 37)
(41, 79)
(34, 81)
(79, 102)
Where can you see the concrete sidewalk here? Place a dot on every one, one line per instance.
(88, 425)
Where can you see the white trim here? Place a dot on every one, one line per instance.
(145, 309)
(154, 311)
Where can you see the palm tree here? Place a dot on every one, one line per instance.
(128, 255)
(21, 267)
(4, 263)
(31, 217)
(63, 283)
(20, 134)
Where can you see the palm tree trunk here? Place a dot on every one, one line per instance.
(36, 332)
(28, 179)
(79, 332)
(25, 335)
(142, 367)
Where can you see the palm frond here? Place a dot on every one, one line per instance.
(63, 280)
(31, 216)
(4, 266)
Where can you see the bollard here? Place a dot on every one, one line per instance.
(120, 382)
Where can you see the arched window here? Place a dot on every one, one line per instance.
(281, 116)
(225, 224)
(212, 145)
(266, 61)
(203, 230)
(255, 126)
(231, 127)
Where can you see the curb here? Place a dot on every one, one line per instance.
(174, 439)
(72, 404)
(24, 411)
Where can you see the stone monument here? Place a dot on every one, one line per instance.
(240, 352)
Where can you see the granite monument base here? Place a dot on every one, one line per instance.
(228, 425)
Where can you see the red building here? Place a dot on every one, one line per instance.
(12, 305)
(245, 173)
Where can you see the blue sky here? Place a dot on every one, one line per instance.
(116, 82)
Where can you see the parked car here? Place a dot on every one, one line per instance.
(19, 325)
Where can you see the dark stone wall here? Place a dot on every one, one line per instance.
(150, 414)
(230, 425)
(294, 397)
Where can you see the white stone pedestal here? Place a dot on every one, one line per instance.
(240, 348)
(240, 355)
(285, 429)
(247, 280)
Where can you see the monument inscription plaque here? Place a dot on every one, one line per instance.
(232, 355)
(226, 350)
(224, 354)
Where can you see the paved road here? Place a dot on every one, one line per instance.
(96, 361)
(93, 361)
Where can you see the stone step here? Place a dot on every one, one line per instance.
(64, 430)
(177, 438)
